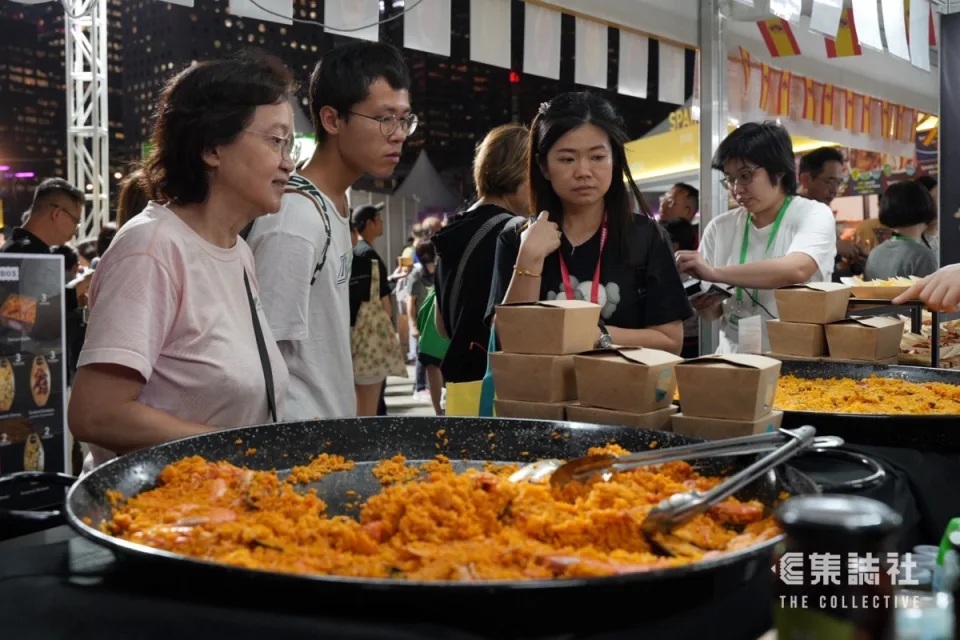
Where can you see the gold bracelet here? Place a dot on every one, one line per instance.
(524, 272)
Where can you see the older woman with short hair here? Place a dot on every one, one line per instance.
(176, 343)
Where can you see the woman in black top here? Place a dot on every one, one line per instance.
(500, 175)
(587, 243)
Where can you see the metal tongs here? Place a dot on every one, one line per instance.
(682, 507)
(562, 472)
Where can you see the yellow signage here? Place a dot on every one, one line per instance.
(681, 119)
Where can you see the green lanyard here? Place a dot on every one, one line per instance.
(773, 236)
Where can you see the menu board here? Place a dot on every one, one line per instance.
(32, 375)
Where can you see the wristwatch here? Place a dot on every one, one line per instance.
(605, 341)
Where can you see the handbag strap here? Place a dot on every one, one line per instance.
(262, 348)
(475, 241)
(374, 280)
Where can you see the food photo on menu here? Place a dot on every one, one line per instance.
(31, 373)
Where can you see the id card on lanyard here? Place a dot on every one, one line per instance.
(595, 288)
(740, 307)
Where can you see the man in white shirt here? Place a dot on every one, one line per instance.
(360, 106)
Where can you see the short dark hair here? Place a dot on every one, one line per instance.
(206, 105)
(927, 181)
(426, 252)
(71, 257)
(692, 192)
(364, 215)
(52, 186)
(814, 161)
(905, 204)
(681, 233)
(105, 237)
(766, 144)
(342, 78)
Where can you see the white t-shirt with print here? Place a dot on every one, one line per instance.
(807, 227)
(310, 322)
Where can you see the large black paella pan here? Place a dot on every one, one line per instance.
(545, 605)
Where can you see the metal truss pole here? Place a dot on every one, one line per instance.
(88, 138)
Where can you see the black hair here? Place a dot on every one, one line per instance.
(814, 161)
(105, 237)
(681, 233)
(204, 106)
(52, 186)
(555, 119)
(927, 181)
(426, 252)
(766, 144)
(905, 204)
(71, 257)
(364, 215)
(342, 78)
(692, 192)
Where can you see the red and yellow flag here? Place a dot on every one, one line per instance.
(850, 114)
(846, 43)
(886, 119)
(865, 109)
(765, 71)
(931, 24)
(783, 97)
(745, 62)
(826, 105)
(809, 101)
(908, 132)
(778, 37)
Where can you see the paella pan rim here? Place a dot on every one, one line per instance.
(125, 548)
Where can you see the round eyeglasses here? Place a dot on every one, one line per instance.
(390, 123)
(288, 147)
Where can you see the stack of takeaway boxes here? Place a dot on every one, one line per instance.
(813, 325)
(727, 396)
(549, 369)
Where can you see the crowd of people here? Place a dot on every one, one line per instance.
(241, 288)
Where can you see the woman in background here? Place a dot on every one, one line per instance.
(463, 281)
(908, 210)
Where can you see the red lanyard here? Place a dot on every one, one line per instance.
(595, 289)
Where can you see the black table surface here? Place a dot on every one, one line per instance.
(54, 584)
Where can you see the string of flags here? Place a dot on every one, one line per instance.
(785, 94)
(908, 37)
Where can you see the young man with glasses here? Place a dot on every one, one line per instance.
(360, 107)
(774, 238)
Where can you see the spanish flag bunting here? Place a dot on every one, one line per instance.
(886, 119)
(765, 87)
(850, 114)
(745, 62)
(826, 105)
(931, 22)
(783, 99)
(909, 131)
(846, 43)
(778, 37)
(809, 102)
(865, 109)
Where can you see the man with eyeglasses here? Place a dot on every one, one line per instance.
(360, 107)
(52, 220)
(821, 179)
